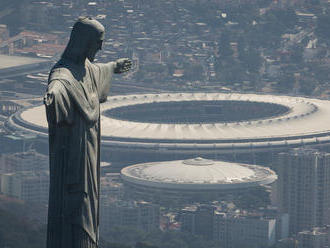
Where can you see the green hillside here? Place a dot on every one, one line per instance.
(16, 228)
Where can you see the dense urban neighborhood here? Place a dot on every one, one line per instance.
(210, 140)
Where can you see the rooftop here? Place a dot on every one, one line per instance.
(198, 174)
(305, 120)
(13, 61)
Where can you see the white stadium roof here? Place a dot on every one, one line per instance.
(307, 121)
(13, 61)
(197, 174)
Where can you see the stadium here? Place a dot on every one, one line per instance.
(192, 179)
(170, 126)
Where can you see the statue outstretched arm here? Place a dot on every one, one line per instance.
(122, 65)
(104, 75)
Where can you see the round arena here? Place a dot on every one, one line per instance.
(192, 179)
(170, 126)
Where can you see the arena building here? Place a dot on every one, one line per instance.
(232, 126)
(12, 66)
(192, 180)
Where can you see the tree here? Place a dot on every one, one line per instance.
(307, 86)
(144, 245)
(273, 24)
(297, 54)
(124, 237)
(225, 49)
(230, 71)
(115, 245)
(322, 30)
(253, 199)
(285, 83)
(15, 232)
(288, 243)
(251, 59)
(193, 72)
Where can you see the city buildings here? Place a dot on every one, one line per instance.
(32, 43)
(23, 161)
(198, 220)
(29, 186)
(314, 238)
(138, 214)
(111, 186)
(25, 176)
(303, 188)
(4, 33)
(140, 30)
(232, 228)
(13, 66)
(233, 231)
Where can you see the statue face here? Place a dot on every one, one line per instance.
(94, 47)
(85, 41)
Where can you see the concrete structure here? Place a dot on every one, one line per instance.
(27, 186)
(33, 43)
(7, 108)
(23, 161)
(111, 186)
(12, 66)
(315, 238)
(303, 188)
(239, 127)
(15, 61)
(282, 226)
(192, 180)
(4, 32)
(198, 220)
(233, 231)
(140, 215)
(230, 229)
(25, 176)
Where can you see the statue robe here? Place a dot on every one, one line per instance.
(73, 114)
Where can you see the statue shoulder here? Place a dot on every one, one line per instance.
(58, 73)
(56, 87)
(55, 90)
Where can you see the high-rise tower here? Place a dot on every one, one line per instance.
(303, 188)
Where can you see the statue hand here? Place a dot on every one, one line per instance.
(122, 65)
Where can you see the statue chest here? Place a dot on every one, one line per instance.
(90, 91)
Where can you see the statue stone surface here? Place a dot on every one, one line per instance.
(76, 87)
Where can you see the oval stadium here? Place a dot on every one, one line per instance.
(169, 126)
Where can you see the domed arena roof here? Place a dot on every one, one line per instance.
(198, 174)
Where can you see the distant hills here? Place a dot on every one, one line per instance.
(10, 14)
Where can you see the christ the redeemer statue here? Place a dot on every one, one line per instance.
(76, 87)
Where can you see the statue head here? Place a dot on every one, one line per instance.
(86, 39)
